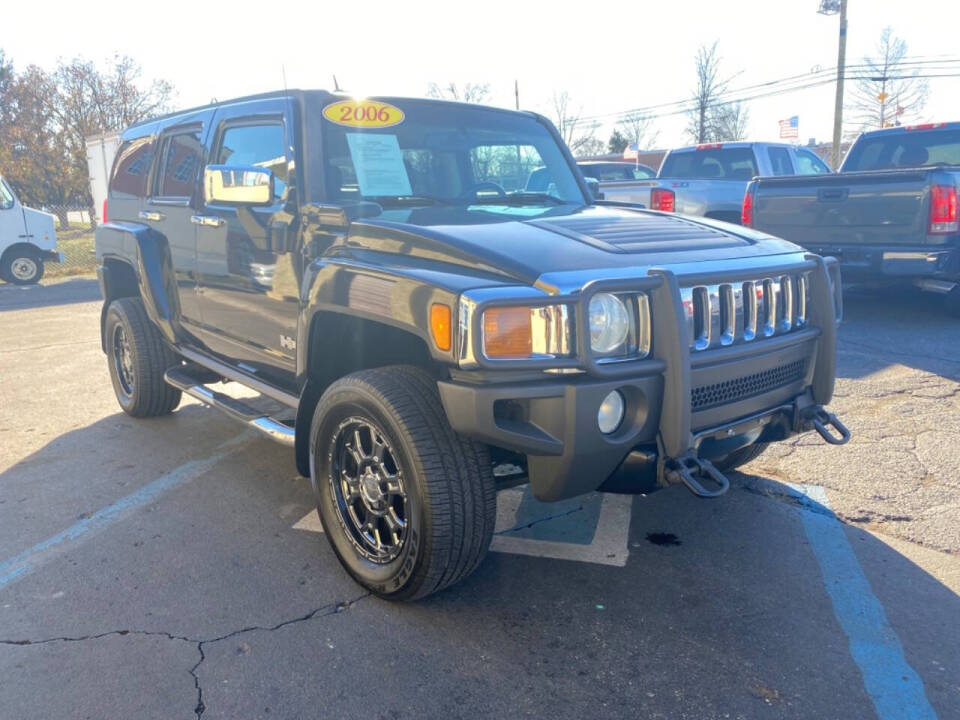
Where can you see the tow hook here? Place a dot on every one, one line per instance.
(691, 470)
(822, 421)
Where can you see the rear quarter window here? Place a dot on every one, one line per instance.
(131, 168)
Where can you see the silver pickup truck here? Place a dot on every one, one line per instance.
(710, 180)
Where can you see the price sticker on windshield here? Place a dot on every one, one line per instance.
(363, 114)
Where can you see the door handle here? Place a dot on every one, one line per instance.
(152, 216)
(207, 220)
(832, 194)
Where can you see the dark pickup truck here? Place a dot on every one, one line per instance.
(890, 214)
(423, 329)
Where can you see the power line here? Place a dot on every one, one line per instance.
(794, 83)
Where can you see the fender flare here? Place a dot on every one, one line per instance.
(153, 267)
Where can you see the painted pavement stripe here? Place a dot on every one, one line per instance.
(44, 551)
(894, 687)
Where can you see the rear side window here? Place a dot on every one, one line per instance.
(715, 163)
(180, 164)
(130, 169)
(260, 145)
(809, 164)
(780, 161)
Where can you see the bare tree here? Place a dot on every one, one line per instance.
(579, 135)
(638, 128)
(711, 119)
(729, 122)
(887, 93)
(469, 92)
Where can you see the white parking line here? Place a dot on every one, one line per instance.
(566, 531)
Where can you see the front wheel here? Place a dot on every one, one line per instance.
(407, 504)
(22, 267)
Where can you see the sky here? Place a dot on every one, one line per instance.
(609, 56)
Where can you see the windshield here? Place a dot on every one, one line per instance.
(713, 163)
(448, 154)
(6, 196)
(913, 148)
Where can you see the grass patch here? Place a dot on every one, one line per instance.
(76, 244)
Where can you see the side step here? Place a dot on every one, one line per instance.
(180, 377)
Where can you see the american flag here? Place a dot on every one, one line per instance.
(631, 151)
(790, 128)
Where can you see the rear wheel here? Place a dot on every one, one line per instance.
(137, 358)
(22, 267)
(407, 504)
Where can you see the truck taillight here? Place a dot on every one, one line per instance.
(103, 215)
(663, 200)
(943, 209)
(746, 212)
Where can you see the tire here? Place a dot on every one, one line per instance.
(741, 456)
(446, 487)
(137, 358)
(22, 267)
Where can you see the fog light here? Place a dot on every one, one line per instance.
(611, 412)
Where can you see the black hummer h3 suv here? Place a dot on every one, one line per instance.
(422, 329)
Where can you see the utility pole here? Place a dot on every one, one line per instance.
(516, 92)
(832, 7)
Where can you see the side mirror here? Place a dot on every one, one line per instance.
(238, 185)
(594, 186)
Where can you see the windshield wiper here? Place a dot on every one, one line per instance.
(519, 198)
(406, 200)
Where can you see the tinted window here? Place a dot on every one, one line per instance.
(182, 154)
(258, 145)
(780, 161)
(6, 196)
(809, 164)
(913, 148)
(716, 163)
(131, 168)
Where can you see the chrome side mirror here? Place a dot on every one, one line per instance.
(238, 185)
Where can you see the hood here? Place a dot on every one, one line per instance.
(529, 242)
(41, 227)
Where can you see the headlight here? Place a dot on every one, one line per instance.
(609, 323)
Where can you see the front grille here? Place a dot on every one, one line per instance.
(737, 312)
(747, 386)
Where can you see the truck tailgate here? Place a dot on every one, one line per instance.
(883, 207)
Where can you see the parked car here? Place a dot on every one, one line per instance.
(709, 180)
(28, 238)
(428, 329)
(890, 214)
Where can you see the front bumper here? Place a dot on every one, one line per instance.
(674, 404)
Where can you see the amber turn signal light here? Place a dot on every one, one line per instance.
(507, 332)
(440, 325)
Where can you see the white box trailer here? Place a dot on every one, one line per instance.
(101, 149)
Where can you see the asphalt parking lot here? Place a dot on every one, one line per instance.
(173, 568)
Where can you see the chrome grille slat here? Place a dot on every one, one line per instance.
(737, 312)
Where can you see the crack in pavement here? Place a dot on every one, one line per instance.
(200, 707)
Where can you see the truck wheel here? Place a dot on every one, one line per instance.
(22, 267)
(741, 456)
(137, 358)
(407, 504)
